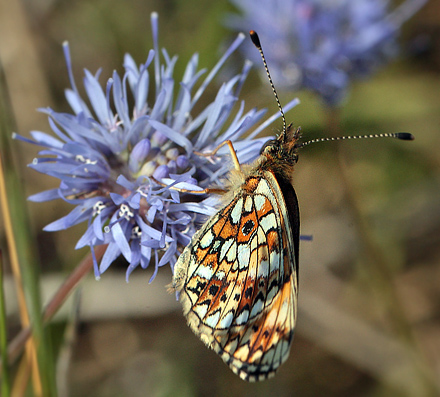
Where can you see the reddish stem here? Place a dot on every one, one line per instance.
(17, 344)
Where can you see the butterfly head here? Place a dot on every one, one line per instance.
(281, 153)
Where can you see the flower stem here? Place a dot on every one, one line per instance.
(16, 345)
(71, 282)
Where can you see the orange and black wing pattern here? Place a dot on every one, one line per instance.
(238, 281)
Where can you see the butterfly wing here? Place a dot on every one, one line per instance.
(238, 279)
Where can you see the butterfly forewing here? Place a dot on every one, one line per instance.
(238, 278)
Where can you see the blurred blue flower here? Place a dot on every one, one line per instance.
(110, 156)
(320, 44)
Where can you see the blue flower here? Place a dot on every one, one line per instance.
(321, 45)
(119, 158)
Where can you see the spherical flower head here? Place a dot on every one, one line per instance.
(132, 166)
(321, 45)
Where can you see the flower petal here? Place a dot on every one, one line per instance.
(47, 195)
(172, 135)
(121, 241)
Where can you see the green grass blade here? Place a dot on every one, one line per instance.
(23, 244)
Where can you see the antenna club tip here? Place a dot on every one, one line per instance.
(405, 136)
(255, 39)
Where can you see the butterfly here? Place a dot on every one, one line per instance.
(237, 279)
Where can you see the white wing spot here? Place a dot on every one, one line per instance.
(201, 310)
(263, 268)
(212, 320)
(257, 308)
(263, 188)
(242, 318)
(220, 275)
(231, 255)
(268, 357)
(226, 321)
(207, 239)
(259, 201)
(271, 294)
(248, 204)
(216, 246)
(204, 272)
(268, 222)
(244, 254)
(236, 212)
(225, 248)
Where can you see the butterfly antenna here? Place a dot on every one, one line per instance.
(256, 40)
(405, 136)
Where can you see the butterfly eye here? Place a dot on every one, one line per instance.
(270, 142)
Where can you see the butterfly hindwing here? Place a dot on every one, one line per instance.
(238, 281)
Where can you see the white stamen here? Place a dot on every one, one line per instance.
(124, 211)
(98, 207)
(85, 160)
(136, 232)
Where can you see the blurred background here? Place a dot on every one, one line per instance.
(369, 305)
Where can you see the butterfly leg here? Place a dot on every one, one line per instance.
(231, 149)
(204, 191)
(207, 154)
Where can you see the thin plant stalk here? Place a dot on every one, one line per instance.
(16, 223)
(5, 380)
(31, 350)
(85, 266)
(21, 378)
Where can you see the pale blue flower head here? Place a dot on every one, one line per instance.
(322, 45)
(119, 157)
